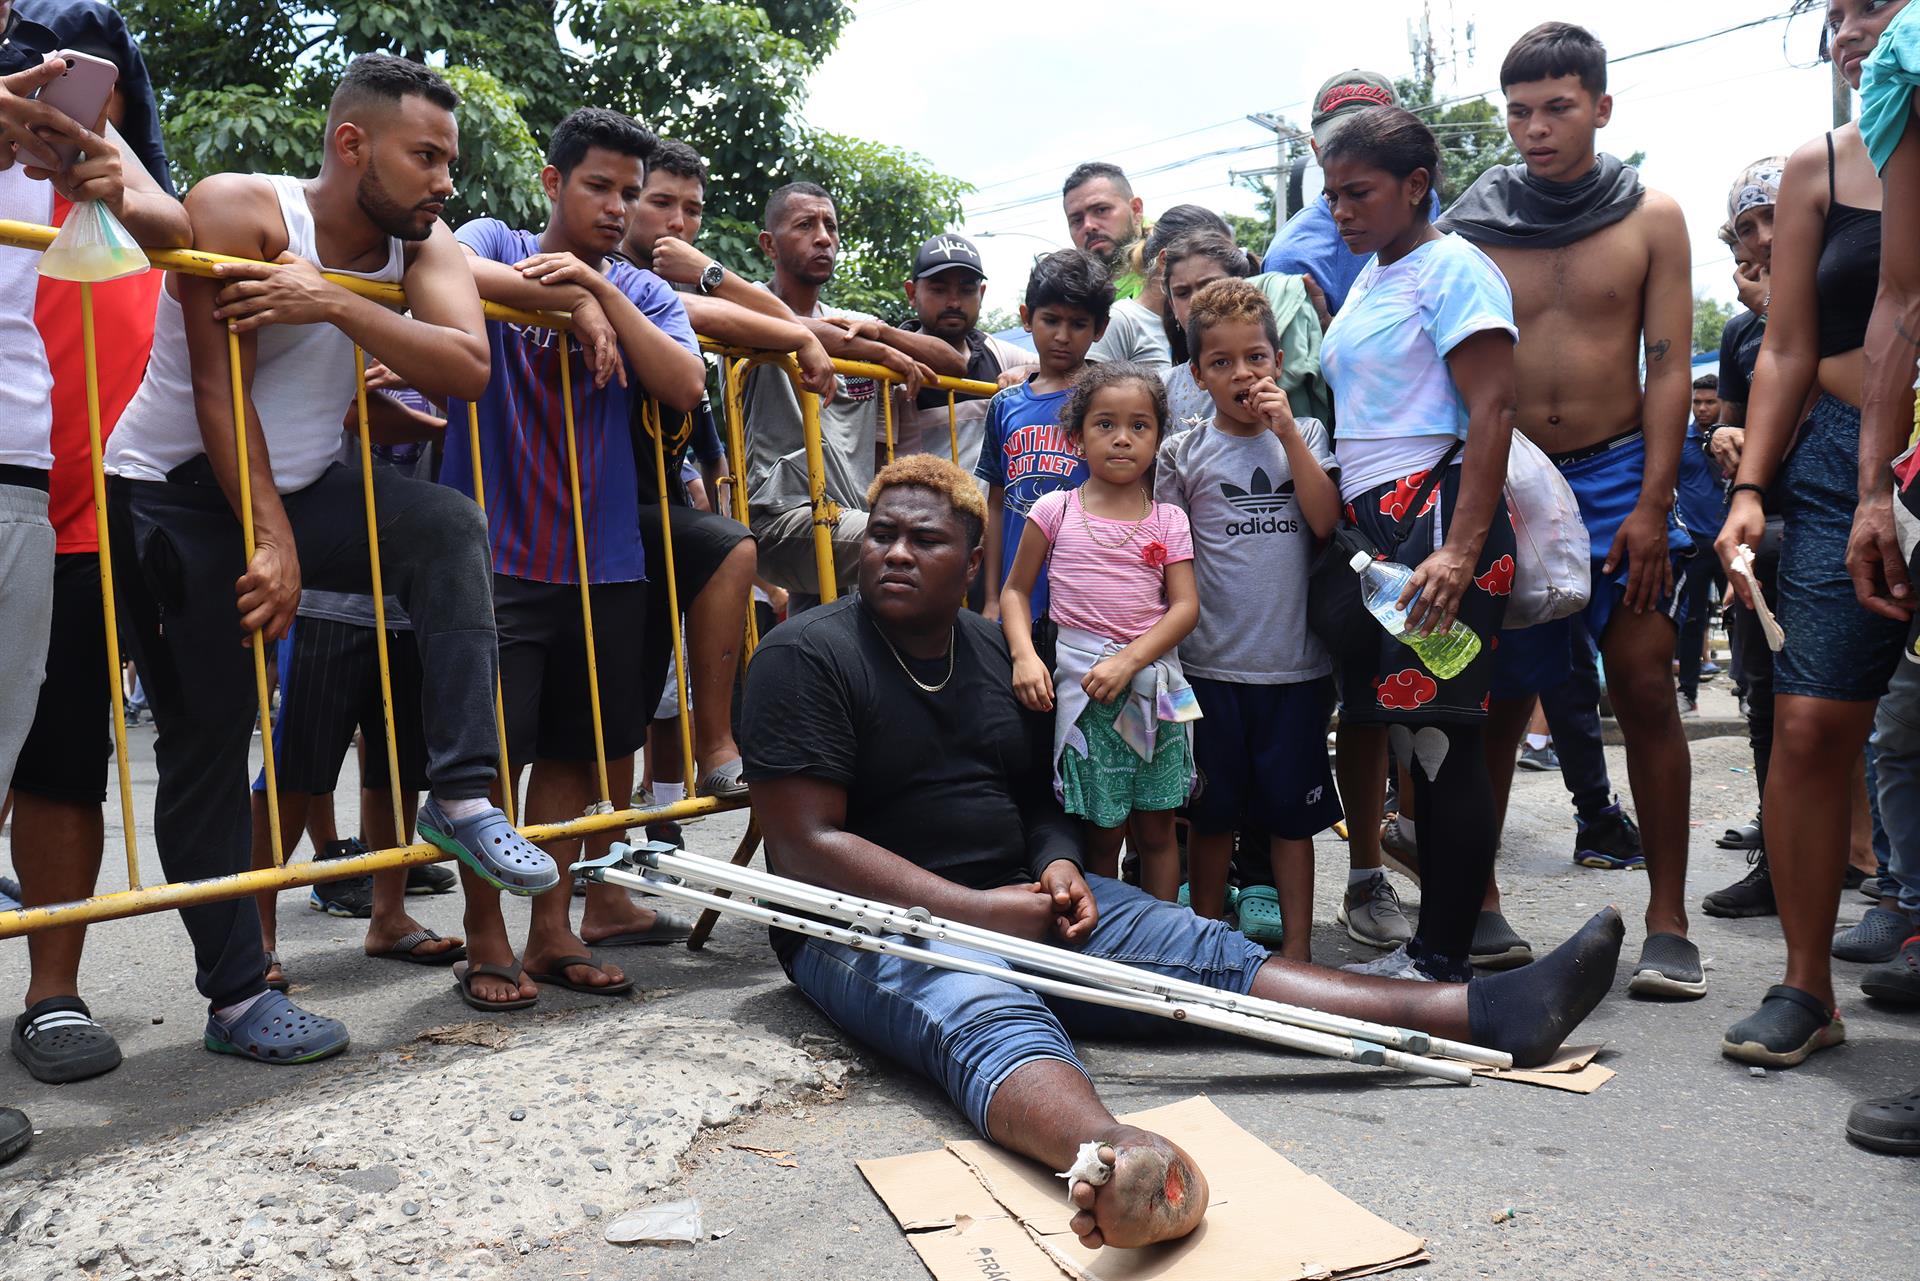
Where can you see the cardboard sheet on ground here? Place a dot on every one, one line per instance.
(973, 1211)
(1571, 1069)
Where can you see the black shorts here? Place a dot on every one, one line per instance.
(702, 542)
(1261, 753)
(329, 687)
(69, 749)
(543, 668)
(1385, 682)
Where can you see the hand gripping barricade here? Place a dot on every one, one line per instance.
(141, 896)
(866, 925)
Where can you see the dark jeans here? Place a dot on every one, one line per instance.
(177, 607)
(1572, 709)
(1697, 602)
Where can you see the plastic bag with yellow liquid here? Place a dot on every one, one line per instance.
(93, 246)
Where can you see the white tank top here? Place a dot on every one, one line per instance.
(26, 383)
(303, 380)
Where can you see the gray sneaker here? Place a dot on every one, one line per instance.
(1396, 964)
(1372, 914)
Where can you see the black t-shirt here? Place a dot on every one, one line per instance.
(1739, 353)
(982, 367)
(959, 782)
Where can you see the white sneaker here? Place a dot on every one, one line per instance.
(1372, 914)
(1394, 965)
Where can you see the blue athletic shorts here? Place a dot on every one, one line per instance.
(1605, 480)
(1261, 752)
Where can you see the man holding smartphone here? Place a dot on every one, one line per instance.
(26, 420)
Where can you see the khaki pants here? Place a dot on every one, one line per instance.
(786, 551)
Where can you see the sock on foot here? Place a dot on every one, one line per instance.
(1528, 1012)
(1408, 830)
(463, 809)
(1361, 875)
(668, 793)
(228, 1013)
(1537, 741)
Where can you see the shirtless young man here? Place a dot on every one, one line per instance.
(1599, 267)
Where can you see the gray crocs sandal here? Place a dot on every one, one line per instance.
(1787, 1028)
(725, 781)
(58, 1041)
(1670, 967)
(1876, 939)
(489, 846)
(1887, 1125)
(275, 1030)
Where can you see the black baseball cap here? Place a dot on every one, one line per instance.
(944, 252)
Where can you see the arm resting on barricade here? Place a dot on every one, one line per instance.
(736, 325)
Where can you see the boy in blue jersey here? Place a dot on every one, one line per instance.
(1025, 455)
(630, 338)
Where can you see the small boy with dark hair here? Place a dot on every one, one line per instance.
(1024, 454)
(1257, 486)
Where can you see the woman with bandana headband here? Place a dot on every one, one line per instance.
(1839, 655)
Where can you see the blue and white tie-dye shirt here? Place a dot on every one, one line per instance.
(1385, 354)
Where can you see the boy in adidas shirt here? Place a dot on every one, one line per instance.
(1257, 486)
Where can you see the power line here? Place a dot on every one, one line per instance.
(1021, 202)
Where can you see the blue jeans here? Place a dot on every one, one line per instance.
(968, 1034)
(1896, 747)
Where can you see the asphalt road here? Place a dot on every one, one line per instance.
(1684, 1165)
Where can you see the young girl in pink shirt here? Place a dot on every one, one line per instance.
(1123, 596)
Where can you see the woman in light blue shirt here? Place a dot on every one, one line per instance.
(1420, 359)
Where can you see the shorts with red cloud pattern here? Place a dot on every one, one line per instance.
(1386, 683)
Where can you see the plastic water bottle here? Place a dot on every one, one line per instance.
(1447, 653)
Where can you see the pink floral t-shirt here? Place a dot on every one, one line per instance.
(1109, 577)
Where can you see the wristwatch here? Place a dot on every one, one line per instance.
(710, 278)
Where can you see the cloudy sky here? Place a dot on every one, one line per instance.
(1011, 94)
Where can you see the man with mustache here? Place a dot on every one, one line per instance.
(633, 339)
(1104, 218)
(802, 239)
(945, 292)
(373, 213)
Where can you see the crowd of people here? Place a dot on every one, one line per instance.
(1128, 625)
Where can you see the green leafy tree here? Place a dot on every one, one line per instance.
(243, 84)
(1252, 233)
(1710, 317)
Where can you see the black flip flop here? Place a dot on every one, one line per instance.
(403, 950)
(558, 977)
(1747, 836)
(466, 972)
(58, 1042)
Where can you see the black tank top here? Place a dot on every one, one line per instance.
(1848, 275)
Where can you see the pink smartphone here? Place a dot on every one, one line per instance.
(81, 93)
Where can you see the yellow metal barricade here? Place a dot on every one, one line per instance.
(141, 898)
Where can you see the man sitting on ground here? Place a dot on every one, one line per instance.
(841, 706)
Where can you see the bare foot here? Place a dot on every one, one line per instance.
(543, 951)
(276, 974)
(495, 950)
(1156, 1193)
(383, 934)
(611, 911)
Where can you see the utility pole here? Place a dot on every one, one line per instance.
(1286, 137)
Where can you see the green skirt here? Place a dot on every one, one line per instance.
(1111, 781)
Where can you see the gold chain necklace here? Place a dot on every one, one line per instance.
(924, 687)
(1133, 529)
